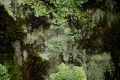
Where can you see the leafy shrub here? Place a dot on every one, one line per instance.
(68, 73)
(4, 73)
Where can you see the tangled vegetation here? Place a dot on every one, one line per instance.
(68, 31)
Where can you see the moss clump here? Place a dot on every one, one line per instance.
(37, 68)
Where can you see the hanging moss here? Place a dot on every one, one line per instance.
(36, 67)
(111, 42)
(111, 33)
(10, 31)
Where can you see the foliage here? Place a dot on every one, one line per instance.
(96, 66)
(39, 7)
(56, 44)
(94, 71)
(36, 67)
(65, 43)
(111, 33)
(68, 73)
(57, 14)
(89, 26)
(10, 31)
(59, 44)
(111, 39)
(5, 45)
(13, 69)
(4, 73)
